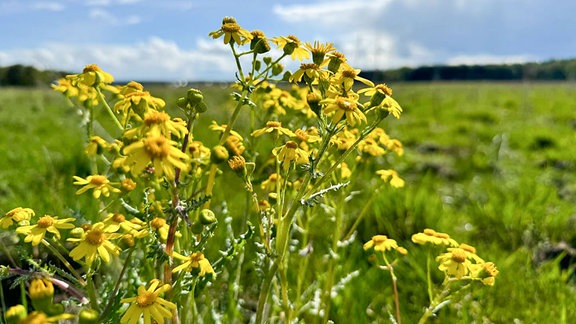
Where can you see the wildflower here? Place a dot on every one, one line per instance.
(149, 304)
(436, 238)
(310, 72)
(381, 243)
(345, 171)
(222, 128)
(376, 93)
(319, 51)
(130, 87)
(139, 102)
(194, 261)
(161, 122)
(289, 153)
(219, 154)
(335, 61)
(272, 126)
(371, 147)
(235, 145)
(392, 176)
(344, 139)
(200, 154)
(238, 164)
(41, 292)
(231, 32)
(486, 272)
(291, 46)
(392, 106)
(16, 215)
(347, 76)
(344, 107)
(158, 150)
(270, 183)
(259, 43)
(97, 145)
(454, 263)
(128, 184)
(116, 221)
(66, 87)
(99, 183)
(35, 233)
(40, 317)
(159, 225)
(95, 242)
(15, 314)
(92, 75)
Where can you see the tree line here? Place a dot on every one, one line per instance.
(554, 70)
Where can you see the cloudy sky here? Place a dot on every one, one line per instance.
(168, 40)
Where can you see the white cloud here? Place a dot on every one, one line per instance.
(103, 3)
(105, 17)
(151, 60)
(48, 5)
(329, 12)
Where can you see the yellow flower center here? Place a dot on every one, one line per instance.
(98, 180)
(157, 223)
(301, 135)
(349, 73)
(257, 34)
(135, 85)
(291, 145)
(294, 39)
(118, 218)
(231, 28)
(45, 222)
(145, 299)
(273, 124)
(91, 68)
(95, 237)
(384, 88)
(308, 66)
(346, 104)
(468, 248)
(228, 20)
(429, 232)
(156, 118)
(458, 255)
(157, 146)
(441, 235)
(379, 239)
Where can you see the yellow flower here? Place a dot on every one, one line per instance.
(93, 76)
(347, 76)
(392, 176)
(35, 233)
(128, 184)
(158, 150)
(95, 242)
(371, 147)
(392, 106)
(381, 243)
(37, 317)
(161, 122)
(232, 32)
(222, 128)
(97, 145)
(200, 154)
(319, 51)
(436, 238)
(288, 153)
(100, 184)
(335, 61)
(270, 183)
(149, 304)
(486, 272)
(16, 215)
(159, 225)
(235, 145)
(310, 72)
(192, 262)
(139, 102)
(454, 263)
(272, 126)
(66, 86)
(344, 140)
(344, 107)
(376, 93)
(291, 46)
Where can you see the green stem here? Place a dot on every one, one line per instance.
(109, 110)
(64, 261)
(429, 275)
(390, 268)
(91, 290)
(264, 291)
(108, 307)
(363, 212)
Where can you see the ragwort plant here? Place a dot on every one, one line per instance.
(163, 245)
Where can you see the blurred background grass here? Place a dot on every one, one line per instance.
(492, 164)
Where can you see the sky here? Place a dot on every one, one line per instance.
(167, 40)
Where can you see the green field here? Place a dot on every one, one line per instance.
(493, 164)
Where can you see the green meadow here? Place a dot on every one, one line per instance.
(492, 164)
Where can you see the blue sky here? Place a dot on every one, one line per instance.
(168, 40)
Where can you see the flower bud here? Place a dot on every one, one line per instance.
(313, 100)
(207, 217)
(41, 293)
(197, 227)
(88, 316)
(277, 69)
(15, 314)
(219, 154)
(259, 44)
(194, 97)
(238, 164)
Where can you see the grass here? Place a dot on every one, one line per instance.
(490, 163)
